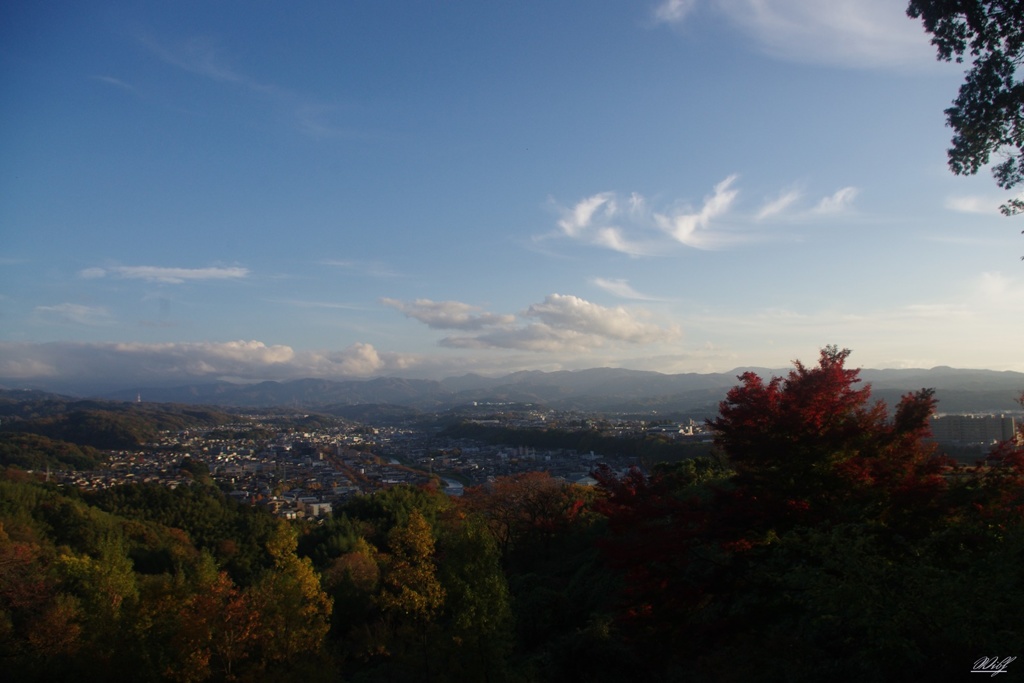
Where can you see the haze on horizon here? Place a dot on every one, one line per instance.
(423, 190)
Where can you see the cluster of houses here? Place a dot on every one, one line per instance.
(307, 474)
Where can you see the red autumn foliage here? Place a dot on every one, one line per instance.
(807, 450)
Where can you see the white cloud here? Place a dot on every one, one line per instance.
(537, 338)
(116, 82)
(974, 204)
(998, 291)
(357, 360)
(581, 216)
(568, 312)
(637, 205)
(599, 220)
(17, 363)
(330, 305)
(612, 238)
(76, 314)
(448, 315)
(858, 33)
(371, 268)
(691, 228)
(779, 204)
(203, 56)
(672, 11)
(234, 358)
(560, 323)
(174, 276)
(198, 55)
(620, 288)
(139, 363)
(634, 228)
(319, 122)
(837, 202)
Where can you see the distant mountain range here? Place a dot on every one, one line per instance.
(597, 390)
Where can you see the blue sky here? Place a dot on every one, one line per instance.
(241, 190)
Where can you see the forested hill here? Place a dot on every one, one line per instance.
(100, 424)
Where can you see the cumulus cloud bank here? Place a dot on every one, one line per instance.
(560, 323)
(567, 312)
(140, 363)
(448, 315)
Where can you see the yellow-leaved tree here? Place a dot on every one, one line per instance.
(296, 612)
(411, 595)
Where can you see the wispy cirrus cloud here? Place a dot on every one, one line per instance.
(673, 11)
(788, 205)
(172, 276)
(601, 221)
(116, 82)
(74, 314)
(631, 227)
(371, 268)
(329, 305)
(690, 227)
(635, 228)
(779, 205)
(999, 291)
(581, 216)
(974, 204)
(615, 239)
(203, 56)
(837, 202)
(320, 122)
(856, 33)
(620, 288)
